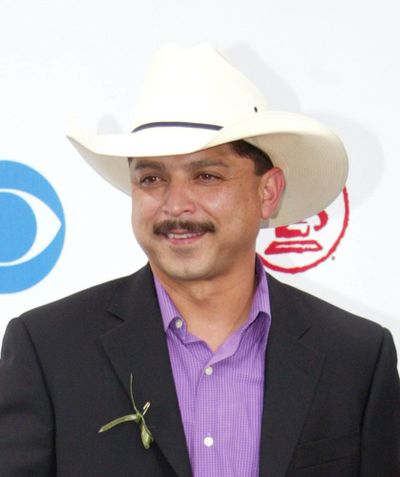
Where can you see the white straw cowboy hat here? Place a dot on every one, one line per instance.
(194, 99)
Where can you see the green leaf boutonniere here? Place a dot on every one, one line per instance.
(138, 417)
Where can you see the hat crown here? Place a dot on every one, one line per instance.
(196, 85)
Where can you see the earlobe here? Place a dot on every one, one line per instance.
(273, 186)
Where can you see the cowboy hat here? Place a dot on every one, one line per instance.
(193, 99)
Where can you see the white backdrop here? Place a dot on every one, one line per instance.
(336, 61)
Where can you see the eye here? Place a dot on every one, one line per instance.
(39, 225)
(150, 180)
(207, 177)
(32, 227)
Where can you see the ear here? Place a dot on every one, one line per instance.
(272, 185)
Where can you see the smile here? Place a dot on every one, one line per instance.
(183, 238)
(186, 235)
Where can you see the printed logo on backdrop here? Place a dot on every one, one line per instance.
(32, 227)
(304, 245)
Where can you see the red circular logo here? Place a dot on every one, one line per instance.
(298, 247)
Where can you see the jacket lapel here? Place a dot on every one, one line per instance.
(138, 346)
(291, 375)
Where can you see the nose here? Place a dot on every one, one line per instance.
(178, 200)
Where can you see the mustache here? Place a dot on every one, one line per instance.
(167, 226)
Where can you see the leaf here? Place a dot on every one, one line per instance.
(146, 435)
(120, 420)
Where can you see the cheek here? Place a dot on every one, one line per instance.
(240, 198)
(233, 209)
(245, 211)
(144, 208)
(213, 201)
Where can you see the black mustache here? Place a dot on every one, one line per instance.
(164, 228)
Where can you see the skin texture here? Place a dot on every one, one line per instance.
(197, 217)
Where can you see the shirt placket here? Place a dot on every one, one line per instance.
(206, 438)
(209, 414)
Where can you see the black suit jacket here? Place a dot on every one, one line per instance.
(331, 400)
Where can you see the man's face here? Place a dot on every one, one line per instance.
(197, 215)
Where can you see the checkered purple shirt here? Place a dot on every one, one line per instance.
(220, 394)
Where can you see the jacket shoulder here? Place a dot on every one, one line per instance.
(88, 304)
(326, 321)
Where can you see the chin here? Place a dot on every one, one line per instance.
(186, 271)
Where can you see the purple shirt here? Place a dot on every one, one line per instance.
(220, 394)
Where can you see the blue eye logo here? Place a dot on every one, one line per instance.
(32, 227)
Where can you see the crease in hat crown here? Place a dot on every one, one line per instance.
(193, 99)
(210, 90)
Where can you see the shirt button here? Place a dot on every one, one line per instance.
(208, 441)
(178, 324)
(209, 370)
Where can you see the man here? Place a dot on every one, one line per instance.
(199, 364)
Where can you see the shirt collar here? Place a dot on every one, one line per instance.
(261, 302)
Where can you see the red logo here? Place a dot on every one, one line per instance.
(304, 245)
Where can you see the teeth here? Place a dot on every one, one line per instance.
(182, 236)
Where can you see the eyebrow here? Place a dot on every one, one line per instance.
(145, 164)
(206, 163)
(159, 166)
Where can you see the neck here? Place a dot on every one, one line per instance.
(214, 308)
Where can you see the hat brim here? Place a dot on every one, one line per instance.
(311, 156)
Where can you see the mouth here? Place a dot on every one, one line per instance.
(183, 237)
(183, 232)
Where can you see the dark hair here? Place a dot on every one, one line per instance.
(262, 161)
